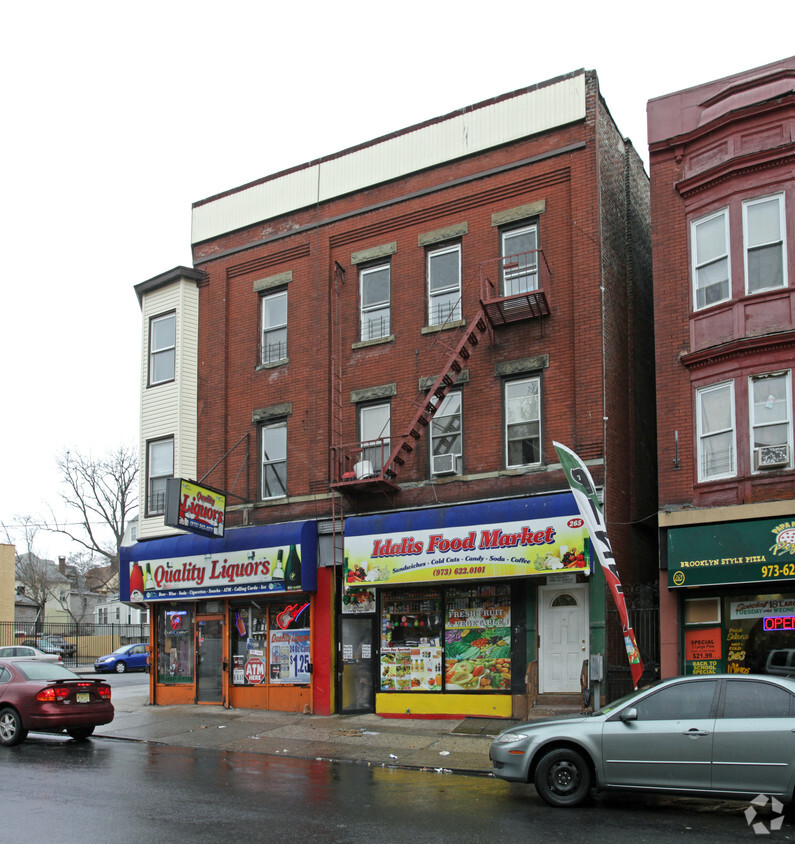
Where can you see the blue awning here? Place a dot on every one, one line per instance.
(243, 562)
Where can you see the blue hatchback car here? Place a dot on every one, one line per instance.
(126, 658)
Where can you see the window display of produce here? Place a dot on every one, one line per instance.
(466, 629)
(477, 639)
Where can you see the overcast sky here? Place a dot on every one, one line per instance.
(117, 117)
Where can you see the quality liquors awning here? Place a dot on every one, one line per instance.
(245, 561)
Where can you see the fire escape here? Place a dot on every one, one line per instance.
(520, 294)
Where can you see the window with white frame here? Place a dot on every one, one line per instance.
(375, 437)
(716, 431)
(519, 260)
(159, 468)
(162, 348)
(444, 284)
(770, 407)
(764, 241)
(274, 327)
(273, 439)
(446, 436)
(374, 295)
(523, 422)
(710, 256)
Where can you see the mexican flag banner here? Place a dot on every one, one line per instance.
(582, 486)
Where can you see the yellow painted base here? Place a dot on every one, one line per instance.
(486, 706)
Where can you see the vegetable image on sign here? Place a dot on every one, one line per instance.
(255, 670)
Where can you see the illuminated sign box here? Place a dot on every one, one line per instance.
(197, 509)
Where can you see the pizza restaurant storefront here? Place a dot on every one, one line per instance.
(233, 618)
(732, 587)
(442, 609)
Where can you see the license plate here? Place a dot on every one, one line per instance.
(83, 697)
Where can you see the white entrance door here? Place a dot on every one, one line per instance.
(563, 625)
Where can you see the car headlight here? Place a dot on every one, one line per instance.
(507, 738)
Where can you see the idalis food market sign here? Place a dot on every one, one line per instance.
(511, 549)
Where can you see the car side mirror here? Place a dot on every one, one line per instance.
(629, 714)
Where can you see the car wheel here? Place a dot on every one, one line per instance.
(121, 667)
(563, 778)
(11, 730)
(79, 733)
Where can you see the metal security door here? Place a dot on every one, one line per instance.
(564, 637)
(356, 665)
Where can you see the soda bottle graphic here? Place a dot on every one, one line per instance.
(136, 583)
(292, 571)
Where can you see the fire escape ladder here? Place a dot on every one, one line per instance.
(335, 410)
(445, 381)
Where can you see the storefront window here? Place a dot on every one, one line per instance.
(477, 638)
(411, 640)
(175, 661)
(466, 630)
(757, 635)
(270, 644)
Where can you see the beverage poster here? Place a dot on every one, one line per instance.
(289, 656)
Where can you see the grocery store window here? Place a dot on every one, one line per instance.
(444, 284)
(446, 437)
(374, 293)
(273, 476)
(771, 421)
(522, 400)
(710, 259)
(274, 327)
(765, 243)
(175, 648)
(159, 468)
(716, 431)
(519, 260)
(162, 348)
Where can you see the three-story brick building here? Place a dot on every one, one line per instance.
(389, 340)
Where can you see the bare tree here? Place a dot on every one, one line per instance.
(103, 493)
(77, 602)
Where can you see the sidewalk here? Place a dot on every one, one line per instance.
(448, 745)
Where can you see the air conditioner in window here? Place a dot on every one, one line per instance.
(444, 464)
(771, 457)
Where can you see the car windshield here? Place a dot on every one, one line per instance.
(615, 704)
(45, 671)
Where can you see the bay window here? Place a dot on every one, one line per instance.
(763, 237)
(710, 257)
(770, 406)
(716, 431)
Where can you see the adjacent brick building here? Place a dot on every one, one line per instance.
(723, 205)
(389, 341)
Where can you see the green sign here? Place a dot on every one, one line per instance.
(732, 552)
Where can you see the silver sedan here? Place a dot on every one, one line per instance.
(27, 652)
(723, 735)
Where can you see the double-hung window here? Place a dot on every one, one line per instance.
(374, 284)
(444, 284)
(519, 260)
(763, 236)
(162, 348)
(710, 258)
(274, 327)
(446, 436)
(273, 441)
(523, 422)
(375, 437)
(771, 421)
(159, 468)
(716, 431)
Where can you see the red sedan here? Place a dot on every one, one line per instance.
(46, 697)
